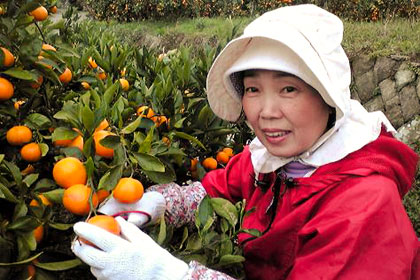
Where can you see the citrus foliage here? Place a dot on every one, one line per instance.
(72, 129)
(123, 10)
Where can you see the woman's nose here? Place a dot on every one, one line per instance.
(270, 108)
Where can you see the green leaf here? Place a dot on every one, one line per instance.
(131, 127)
(63, 133)
(30, 179)
(55, 196)
(205, 211)
(1, 157)
(162, 232)
(25, 223)
(59, 266)
(194, 243)
(38, 121)
(44, 184)
(60, 226)
(189, 137)
(149, 162)
(110, 179)
(44, 148)
(146, 145)
(162, 177)
(110, 141)
(230, 259)
(225, 209)
(88, 118)
(28, 260)
(18, 73)
(20, 210)
(15, 172)
(109, 93)
(7, 194)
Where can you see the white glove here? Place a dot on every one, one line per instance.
(134, 255)
(149, 208)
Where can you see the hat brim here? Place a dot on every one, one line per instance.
(223, 98)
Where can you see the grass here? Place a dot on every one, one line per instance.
(382, 38)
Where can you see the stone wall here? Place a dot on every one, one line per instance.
(391, 85)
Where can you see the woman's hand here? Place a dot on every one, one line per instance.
(134, 255)
(150, 208)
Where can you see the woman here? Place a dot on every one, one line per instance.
(325, 177)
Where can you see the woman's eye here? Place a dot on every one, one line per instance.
(251, 89)
(289, 89)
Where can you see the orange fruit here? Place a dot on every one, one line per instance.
(102, 126)
(101, 150)
(145, 111)
(39, 13)
(159, 120)
(38, 83)
(44, 201)
(222, 157)
(18, 103)
(6, 89)
(108, 223)
(125, 85)
(39, 233)
(122, 72)
(77, 142)
(193, 165)
(8, 59)
(63, 142)
(48, 47)
(18, 135)
(101, 75)
(31, 272)
(53, 9)
(92, 62)
(209, 163)
(166, 140)
(28, 170)
(69, 171)
(128, 190)
(85, 85)
(65, 77)
(31, 152)
(102, 195)
(228, 151)
(76, 199)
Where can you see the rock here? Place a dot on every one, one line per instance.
(375, 104)
(403, 78)
(410, 105)
(366, 86)
(409, 133)
(418, 87)
(361, 65)
(384, 68)
(393, 111)
(387, 88)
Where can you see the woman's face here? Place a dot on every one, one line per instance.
(287, 115)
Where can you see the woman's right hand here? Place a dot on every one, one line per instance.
(149, 209)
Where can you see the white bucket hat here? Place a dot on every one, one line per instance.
(303, 40)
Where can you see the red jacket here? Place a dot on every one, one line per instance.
(346, 221)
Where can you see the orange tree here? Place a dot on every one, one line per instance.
(66, 80)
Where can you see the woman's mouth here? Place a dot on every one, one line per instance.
(275, 137)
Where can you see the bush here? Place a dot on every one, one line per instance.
(361, 10)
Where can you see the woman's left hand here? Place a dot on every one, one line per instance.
(133, 255)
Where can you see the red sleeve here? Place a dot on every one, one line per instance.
(360, 231)
(232, 182)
